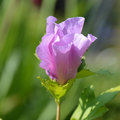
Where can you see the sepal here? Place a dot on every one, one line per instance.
(57, 90)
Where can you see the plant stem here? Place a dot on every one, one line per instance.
(58, 112)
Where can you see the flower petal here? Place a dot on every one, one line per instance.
(91, 37)
(72, 25)
(66, 40)
(67, 62)
(50, 24)
(82, 43)
(43, 51)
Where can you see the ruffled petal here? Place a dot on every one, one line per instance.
(72, 25)
(50, 24)
(82, 43)
(43, 51)
(91, 37)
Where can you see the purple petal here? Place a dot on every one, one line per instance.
(67, 61)
(43, 51)
(91, 37)
(50, 24)
(82, 43)
(72, 25)
(66, 40)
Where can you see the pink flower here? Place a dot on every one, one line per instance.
(62, 48)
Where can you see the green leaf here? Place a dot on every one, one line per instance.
(57, 90)
(103, 72)
(99, 112)
(82, 65)
(84, 73)
(91, 107)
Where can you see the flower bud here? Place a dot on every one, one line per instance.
(62, 48)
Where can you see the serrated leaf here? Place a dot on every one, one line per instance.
(57, 90)
(91, 107)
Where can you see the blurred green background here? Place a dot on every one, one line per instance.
(22, 24)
